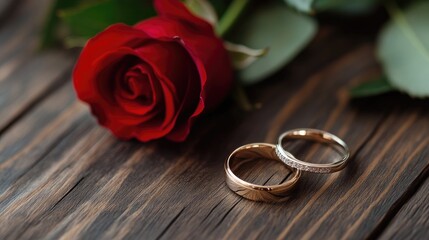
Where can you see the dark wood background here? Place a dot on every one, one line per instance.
(63, 176)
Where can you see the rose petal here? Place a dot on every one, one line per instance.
(105, 82)
(176, 10)
(209, 56)
(145, 84)
(206, 50)
(115, 36)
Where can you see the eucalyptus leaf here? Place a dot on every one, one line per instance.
(338, 6)
(344, 5)
(302, 5)
(203, 9)
(403, 49)
(371, 88)
(242, 56)
(272, 25)
(87, 20)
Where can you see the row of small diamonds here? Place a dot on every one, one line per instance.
(300, 166)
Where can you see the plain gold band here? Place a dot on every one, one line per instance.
(273, 193)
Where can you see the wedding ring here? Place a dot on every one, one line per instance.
(272, 193)
(315, 135)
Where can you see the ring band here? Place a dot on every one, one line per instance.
(319, 136)
(273, 193)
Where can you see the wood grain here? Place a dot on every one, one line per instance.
(63, 176)
(411, 221)
(26, 77)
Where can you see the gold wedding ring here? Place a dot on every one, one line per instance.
(273, 193)
(314, 135)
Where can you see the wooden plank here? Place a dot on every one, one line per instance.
(138, 193)
(34, 80)
(19, 34)
(38, 171)
(26, 77)
(233, 217)
(62, 176)
(29, 140)
(412, 221)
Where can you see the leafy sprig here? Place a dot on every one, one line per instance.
(263, 37)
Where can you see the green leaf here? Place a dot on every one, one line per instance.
(346, 6)
(302, 5)
(242, 56)
(203, 9)
(338, 6)
(403, 49)
(220, 6)
(87, 20)
(272, 25)
(232, 14)
(371, 88)
(51, 23)
(72, 42)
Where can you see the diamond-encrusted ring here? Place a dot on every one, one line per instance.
(313, 135)
(271, 193)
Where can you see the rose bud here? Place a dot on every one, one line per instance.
(154, 79)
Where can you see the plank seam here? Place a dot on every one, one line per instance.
(225, 215)
(67, 193)
(400, 203)
(57, 83)
(25, 228)
(213, 208)
(170, 224)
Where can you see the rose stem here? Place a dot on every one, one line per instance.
(233, 12)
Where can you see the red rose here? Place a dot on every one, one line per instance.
(152, 80)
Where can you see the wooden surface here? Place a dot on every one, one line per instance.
(62, 176)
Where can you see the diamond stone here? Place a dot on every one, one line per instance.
(299, 166)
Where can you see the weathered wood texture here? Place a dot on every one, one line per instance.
(412, 220)
(61, 175)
